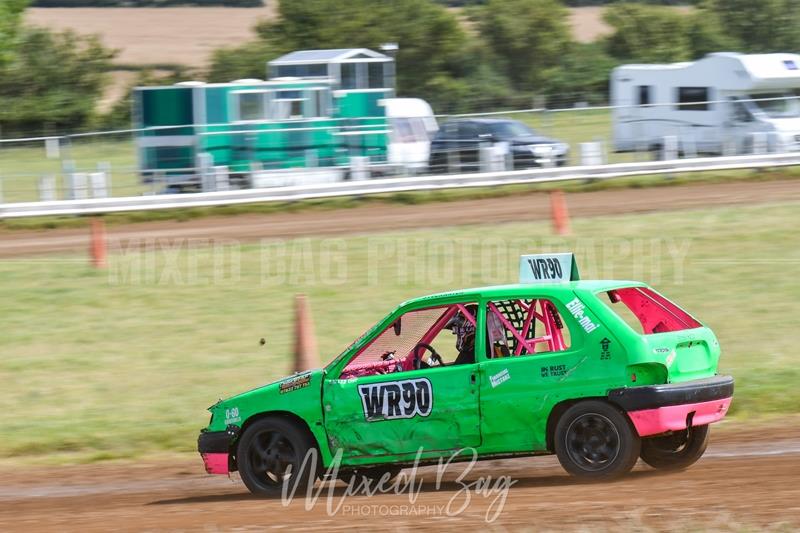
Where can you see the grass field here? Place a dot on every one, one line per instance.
(122, 363)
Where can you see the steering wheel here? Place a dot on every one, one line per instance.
(417, 361)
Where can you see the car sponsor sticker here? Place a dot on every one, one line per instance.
(605, 351)
(392, 400)
(578, 310)
(232, 416)
(295, 384)
(499, 378)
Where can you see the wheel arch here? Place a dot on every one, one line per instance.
(561, 407)
(299, 421)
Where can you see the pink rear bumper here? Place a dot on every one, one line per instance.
(674, 417)
(215, 463)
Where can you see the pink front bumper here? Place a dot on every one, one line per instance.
(674, 417)
(215, 463)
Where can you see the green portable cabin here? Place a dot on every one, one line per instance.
(318, 109)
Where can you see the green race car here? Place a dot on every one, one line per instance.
(600, 373)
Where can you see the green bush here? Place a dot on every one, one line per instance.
(52, 82)
(145, 3)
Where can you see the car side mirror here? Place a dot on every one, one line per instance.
(397, 327)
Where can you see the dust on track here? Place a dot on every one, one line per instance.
(747, 480)
(378, 217)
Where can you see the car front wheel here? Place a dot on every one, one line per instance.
(594, 440)
(272, 453)
(676, 451)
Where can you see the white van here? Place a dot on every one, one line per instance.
(411, 128)
(711, 106)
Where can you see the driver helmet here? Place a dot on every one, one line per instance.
(463, 329)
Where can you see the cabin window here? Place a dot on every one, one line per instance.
(376, 75)
(643, 95)
(693, 99)
(287, 105)
(349, 76)
(321, 103)
(524, 327)
(301, 71)
(251, 105)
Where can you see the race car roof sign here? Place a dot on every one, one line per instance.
(548, 268)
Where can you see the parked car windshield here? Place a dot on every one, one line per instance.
(777, 105)
(508, 130)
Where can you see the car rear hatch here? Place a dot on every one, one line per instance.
(672, 338)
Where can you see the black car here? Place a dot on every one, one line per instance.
(457, 146)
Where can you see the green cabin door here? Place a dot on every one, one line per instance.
(387, 415)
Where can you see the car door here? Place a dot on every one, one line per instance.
(395, 414)
(469, 144)
(519, 387)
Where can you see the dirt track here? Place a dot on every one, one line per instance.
(387, 217)
(747, 480)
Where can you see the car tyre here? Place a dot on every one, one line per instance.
(594, 440)
(676, 451)
(272, 453)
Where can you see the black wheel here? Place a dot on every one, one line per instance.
(271, 453)
(676, 451)
(594, 440)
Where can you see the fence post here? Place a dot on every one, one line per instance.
(97, 180)
(76, 186)
(591, 154)
(47, 188)
(204, 166)
(105, 168)
(759, 142)
(669, 148)
(52, 147)
(221, 178)
(359, 168)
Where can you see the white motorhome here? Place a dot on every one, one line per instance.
(722, 103)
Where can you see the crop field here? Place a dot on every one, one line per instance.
(133, 355)
(147, 35)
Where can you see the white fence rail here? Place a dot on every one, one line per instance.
(391, 185)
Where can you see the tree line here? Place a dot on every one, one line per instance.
(498, 54)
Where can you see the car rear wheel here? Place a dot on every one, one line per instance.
(594, 440)
(676, 451)
(272, 453)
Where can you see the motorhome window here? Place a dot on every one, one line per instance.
(376, 76)
(251, 106)
(741, 113)
(777, 105)
(693, 99)
(643, 95)
(349, 76)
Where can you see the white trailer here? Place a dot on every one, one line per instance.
(722, 103)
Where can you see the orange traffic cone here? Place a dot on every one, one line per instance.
(306, 355)
(559, 213)
(97, 247)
